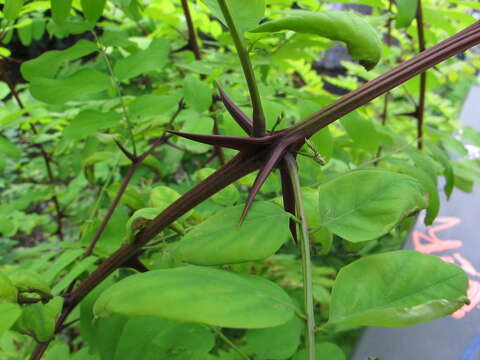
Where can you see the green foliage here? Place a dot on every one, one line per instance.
(87, 154)
(393, 294)
(199, 294)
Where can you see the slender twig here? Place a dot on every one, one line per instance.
(192, 35)
(46, 157)
(118, 90)
(123, 187)
(420, 111)
(230, 343)
(258, 114)
(306, 261)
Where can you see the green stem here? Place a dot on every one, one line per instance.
(118, 90)
(230, 343)
(258, 115)
(306, 261)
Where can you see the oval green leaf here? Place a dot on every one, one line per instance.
(60, 10)
(398, 288)
(362, 40)
(93, 9)
(365, 204)
(198, 294)
(406, 11)
(12, 8)
(221, 240)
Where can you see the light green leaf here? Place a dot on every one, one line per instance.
(406, 11)
(196, 124)
(9, 313)
(323, 351)
(440, 156)
(61, 263)
(74, 88)
(8, 292)
(198, 94)
(60, 9)
(25, 34)
(221, 240)
(12, 8)
(363, 205)
(279, 342)
(246, 13)
(58, 352)
(73, 274)
(361, 38)
(88, 122)
(199, 294)
(153, 105)
(423, 178)
(153, 58)
(362, 131)
(26, 280)
(8, 148)
(93, 9)
(47, 64)
(386, 290)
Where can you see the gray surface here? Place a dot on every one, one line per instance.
(447, 338)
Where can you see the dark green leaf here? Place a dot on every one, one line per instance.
(8, 148)
(440, 156)
(386, 290)
(323, 351)
(362, 131)
(362, 40)
(199, 294)
(279, 342)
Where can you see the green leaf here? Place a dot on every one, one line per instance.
(12, 8)
(153, 105)
(199, 294)
(246, 13)
(152, 338)
(362, 131)
(60, 9)
(440, 156)
(8, 148)
(279, 342)
(38, 320)
(427, 183)
(227, 196)
(26, 280)
(221, 240)
(406, 12)
(48, 64)
(25, 34)
(73, 88)
(386, 290)
(365, 204)
(361, 38)
(9, 313)
(8, 292)
(88, 122)
(323, 351)
(154, 57)
(93, 9)
(195, 123)
(198, 94)
(73, 274)
(61, 263)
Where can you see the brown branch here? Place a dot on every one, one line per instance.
(43, 152)
(420, 111)
(192, 35)
(137, 162)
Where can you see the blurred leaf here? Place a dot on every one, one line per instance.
(361, 38)
(88, 122)
(8, 148)
(246, 13)
(198, 94)
(12, 8)
(60, 10)
(406, 12)
(93, 9)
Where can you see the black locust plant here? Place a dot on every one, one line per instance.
(199, 287)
